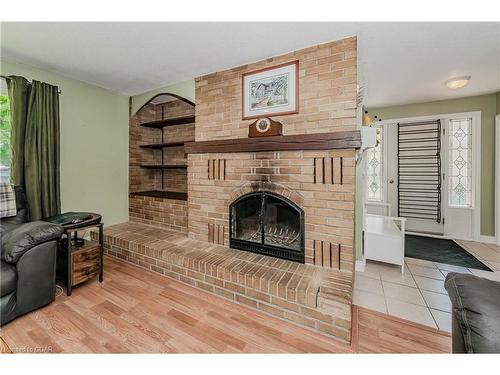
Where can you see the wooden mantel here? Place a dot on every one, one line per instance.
(321, 141)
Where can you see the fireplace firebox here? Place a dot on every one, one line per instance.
(267, 223)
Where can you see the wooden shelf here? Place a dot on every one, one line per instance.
(320, 141)
(162, 194)
(165, 166)
(169, 122)
(159, 146)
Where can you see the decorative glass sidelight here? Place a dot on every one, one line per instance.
(375, 170)
(460, 162)
(269, 224)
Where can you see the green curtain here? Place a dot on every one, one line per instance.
(18, 97)
(35, 144)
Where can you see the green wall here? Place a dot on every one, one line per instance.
(498, 103)
(94, 144)
(487, 104)
(184, 89)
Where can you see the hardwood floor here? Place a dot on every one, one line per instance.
(375, 332)
(4, 348)
(139, 311)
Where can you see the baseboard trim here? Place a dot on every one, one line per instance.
(360, 265)
(487, 239)
(431, 235)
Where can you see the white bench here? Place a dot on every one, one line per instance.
(384, 240)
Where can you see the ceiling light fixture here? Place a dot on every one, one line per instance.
(457, 82)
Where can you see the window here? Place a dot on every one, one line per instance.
(460, 162)
(5, 149)
(374, 164)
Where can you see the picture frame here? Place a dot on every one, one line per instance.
(271, 91)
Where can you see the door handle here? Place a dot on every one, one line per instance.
(391, 181)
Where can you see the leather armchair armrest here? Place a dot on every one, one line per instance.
(26, 236)
(476, 313)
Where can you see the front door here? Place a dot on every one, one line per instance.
(414, 188)
(414, 174)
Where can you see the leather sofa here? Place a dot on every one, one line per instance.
(28, 262)
(475, 313)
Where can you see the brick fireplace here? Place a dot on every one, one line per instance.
(312, 168)
(319, 182)
(303, 189)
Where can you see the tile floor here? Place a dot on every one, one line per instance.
(418, 295)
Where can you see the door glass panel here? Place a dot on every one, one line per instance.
(375, 166)
(460, 163)
(246, 219)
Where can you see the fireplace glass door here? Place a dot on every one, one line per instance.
(247, 223)
(269, 224)
(281, 224)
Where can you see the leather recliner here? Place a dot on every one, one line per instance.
(475, 313)
(28, 262)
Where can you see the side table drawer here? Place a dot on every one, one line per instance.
(85, 263)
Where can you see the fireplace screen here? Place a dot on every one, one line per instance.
(268, 224)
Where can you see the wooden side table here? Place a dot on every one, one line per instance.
(77, 263)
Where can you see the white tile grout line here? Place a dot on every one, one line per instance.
(419, 290)
(421, 295)
(385, 298)
(435, 266)
(428, 307)
(428, 277)
(465, 247)
(441, 270)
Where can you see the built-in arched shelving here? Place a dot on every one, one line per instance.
(158, 132)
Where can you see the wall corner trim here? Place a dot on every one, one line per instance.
(360, 265)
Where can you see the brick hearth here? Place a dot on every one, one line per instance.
(314, 297)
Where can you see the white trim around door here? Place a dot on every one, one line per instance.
(497, 181)
(475, 232)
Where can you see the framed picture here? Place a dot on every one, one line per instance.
(271, 91)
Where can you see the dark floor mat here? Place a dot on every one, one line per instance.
(441, 251)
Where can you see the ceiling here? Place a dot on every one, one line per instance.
(398, 62)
